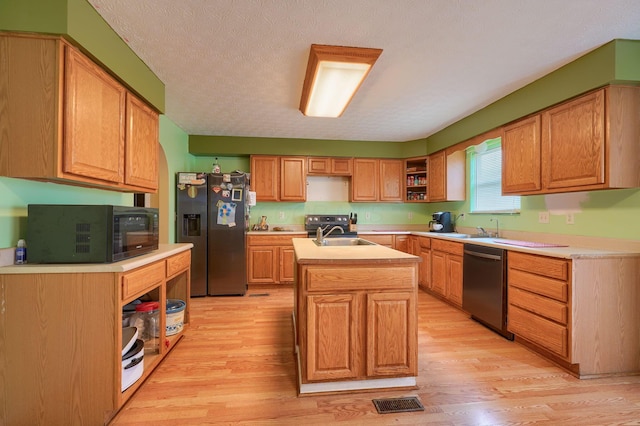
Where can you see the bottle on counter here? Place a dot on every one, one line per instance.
(21, 252)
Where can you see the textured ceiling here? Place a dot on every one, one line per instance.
(236, 67)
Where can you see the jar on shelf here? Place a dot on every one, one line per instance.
(147, 321)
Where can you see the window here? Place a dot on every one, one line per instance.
(485, 162)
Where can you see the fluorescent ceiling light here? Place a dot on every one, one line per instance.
(334, 73)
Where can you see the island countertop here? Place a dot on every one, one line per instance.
(307, 252)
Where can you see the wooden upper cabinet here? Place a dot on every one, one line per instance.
(391, 180)
(573, 142)
(364, 184)
(293, 178)
(94, 125)
(587, 143)
(521, 159)
(141, 168)
(437, 177)
(377, 179)
(330, 166)
(65, 119)
(265, 173)
(446, 176)
(275, 178)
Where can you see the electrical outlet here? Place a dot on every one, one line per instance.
(543, 217)
(367, 215)
(461, 217)
(570, 219)
(281, 215)
(410, 215)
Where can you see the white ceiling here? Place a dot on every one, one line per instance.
(236, 67)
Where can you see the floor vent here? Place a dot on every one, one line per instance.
(397, 405)
(258, 294)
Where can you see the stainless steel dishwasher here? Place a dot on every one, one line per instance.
(484, 288)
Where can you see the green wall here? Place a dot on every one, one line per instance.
(236, 146)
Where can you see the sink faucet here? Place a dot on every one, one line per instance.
(495, 219)
(320, 237)
(482, 232)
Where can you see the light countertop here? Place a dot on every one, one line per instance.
(164, 251)
(308, 252)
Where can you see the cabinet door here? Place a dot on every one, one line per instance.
(391, 334)
(436, 177)
(342, 166)
(293, 179)
(264, 177)
(364, 183)
(141, 145)
(424, 275)
(262, 264)
(287, 264)
(401, 243)
(319, 166)
(391, 179)
(94, 128)
(333, 355)
(454, 279)
(438, 272)
(521, 157)
(573, 146)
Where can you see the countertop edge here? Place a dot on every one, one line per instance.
(164, 251)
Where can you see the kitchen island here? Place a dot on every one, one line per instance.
(355, 317)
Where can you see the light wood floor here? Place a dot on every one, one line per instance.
(235, 365)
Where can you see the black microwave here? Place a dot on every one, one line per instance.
(59, 233)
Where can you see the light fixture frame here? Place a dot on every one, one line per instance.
(346, 54)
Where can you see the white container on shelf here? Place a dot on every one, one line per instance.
(132, 365)
(175, 316)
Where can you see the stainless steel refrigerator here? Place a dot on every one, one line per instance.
(212, 213)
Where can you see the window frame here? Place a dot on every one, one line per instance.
(475, 152)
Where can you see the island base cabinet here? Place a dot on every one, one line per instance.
(332, 355)
(356, 322)
(391, 335)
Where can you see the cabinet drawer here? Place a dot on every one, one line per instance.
(141, 279)
(383, 240)
(538, 330)
(542, 306)
(178, 263)
(273, 240)
(359, 278)
(540, 265)
(555, 289)
(424, 242)
(447, 246)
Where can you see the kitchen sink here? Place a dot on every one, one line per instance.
(337, 242)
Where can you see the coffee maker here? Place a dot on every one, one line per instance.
(441, 222)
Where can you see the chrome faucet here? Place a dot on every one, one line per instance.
(495, 219)
(482, 232)
(320, 237)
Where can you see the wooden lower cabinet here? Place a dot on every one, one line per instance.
(271, 259)
(424, 251)
(356, 322)
(395, 241)
(583, 313)
(61, 348)
(331, 355)
(446, 270)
